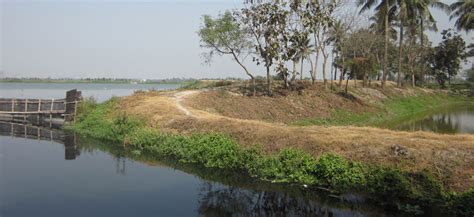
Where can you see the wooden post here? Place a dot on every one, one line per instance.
(39, 105)
(51, 114)
(26, 109)
(72, 97)
(13, 105)
(75, 110)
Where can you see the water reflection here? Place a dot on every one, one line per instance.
(27, 131)
(142, 185)
(450, 120)
(232, 201)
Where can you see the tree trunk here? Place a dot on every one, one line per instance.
(347, 84)
(293, 77)
(400, 47)
(385, 55)
(301, 70)
(325, 59)
(342, 69)
(316, 59)
(247, 72)
(422, 39)
(269, 82)
(332, 67)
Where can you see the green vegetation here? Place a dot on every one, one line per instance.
(391, 112)
(201, 84)
(410, 191)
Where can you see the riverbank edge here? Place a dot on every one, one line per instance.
(408, 192)
(391, 111)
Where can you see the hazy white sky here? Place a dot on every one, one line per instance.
(116, 38)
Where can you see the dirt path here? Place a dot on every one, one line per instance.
(179, 97)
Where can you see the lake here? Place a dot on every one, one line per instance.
(85, 177)
(100, 92)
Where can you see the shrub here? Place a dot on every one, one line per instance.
(389, 184)
(216, 151)
(335, 171)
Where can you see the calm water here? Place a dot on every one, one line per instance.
(450, 120)
(100, 92)
(98, 180)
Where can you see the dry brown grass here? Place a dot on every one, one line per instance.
(450, 157)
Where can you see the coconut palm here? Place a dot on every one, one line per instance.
(337, 34)
(383, 8)
(304, 49)
(464, 11)
(420, 14)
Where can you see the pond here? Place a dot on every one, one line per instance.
(450, 120)
(77, 176)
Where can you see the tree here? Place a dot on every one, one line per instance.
(318, 18)
(264, 23)
(470, 75)
(464, 11)
(420, 15)
(224, 36)
(445, 60)
(338, 34)
(383, 9)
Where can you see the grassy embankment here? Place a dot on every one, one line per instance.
(408, 191)
(390, 112)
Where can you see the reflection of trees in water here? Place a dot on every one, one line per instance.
(442, 123)
(449, 120)
(231, 201)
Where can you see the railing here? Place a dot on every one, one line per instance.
(66, 108)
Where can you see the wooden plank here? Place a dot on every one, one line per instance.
(42, 112)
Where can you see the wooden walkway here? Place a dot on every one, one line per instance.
(14, 109)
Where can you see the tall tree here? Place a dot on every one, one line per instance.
(224, 36)
(384, 8)
(463, 10)
(420, 15)
(338, 34)
(318, 18)
(265, 23)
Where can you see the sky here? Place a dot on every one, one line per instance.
(148, 39)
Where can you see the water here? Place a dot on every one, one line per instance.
(449, 120)
(84, 177)
(100, 92)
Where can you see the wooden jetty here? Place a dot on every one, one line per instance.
(40, 109)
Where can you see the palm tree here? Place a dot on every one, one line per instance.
(464, 11)
(419, 12)
(383, 9)
(337, 35)
(303, 49)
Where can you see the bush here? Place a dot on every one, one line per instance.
(289, 165)
(462, 204)
(389, 184)
(335, 171)
(215, 151)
